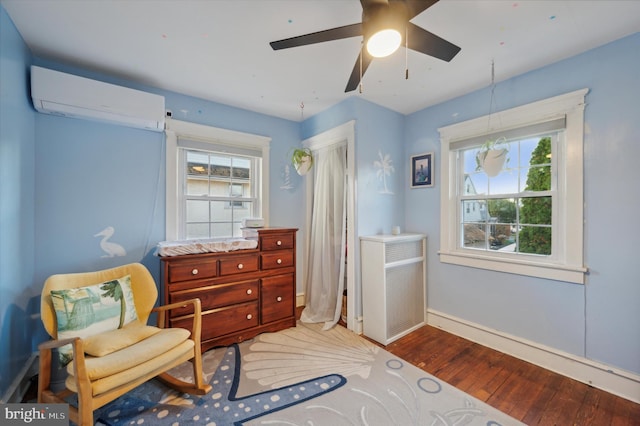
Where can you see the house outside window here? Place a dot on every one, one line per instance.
(215, 179)
(527, 219)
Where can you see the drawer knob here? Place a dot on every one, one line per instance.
(279, 243)
(279, 261)
(194, 271)
(279, 299)
(240, 266)
(249, 291)
(249, 316)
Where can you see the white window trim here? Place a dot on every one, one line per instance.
(568, 266)
(175, 129)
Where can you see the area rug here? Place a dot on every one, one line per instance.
(304, 376)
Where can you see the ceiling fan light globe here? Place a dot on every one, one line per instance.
(384, 43)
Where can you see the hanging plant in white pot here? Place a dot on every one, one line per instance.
(302, 160)
(492, 156)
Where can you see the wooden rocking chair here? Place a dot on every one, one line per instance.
(109, 364)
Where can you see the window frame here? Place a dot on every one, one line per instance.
(215, 138)
(567, 262)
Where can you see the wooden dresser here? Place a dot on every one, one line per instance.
(243, 293)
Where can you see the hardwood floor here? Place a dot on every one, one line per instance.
(529, 393)
(526, 392)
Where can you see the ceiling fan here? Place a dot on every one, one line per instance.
(381, 17)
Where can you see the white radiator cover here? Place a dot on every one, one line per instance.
(394, 292)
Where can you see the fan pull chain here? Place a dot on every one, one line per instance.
(406, 53)
(361, 53)
(302, 110)
(493, 88)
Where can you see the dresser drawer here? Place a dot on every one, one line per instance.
(278, 259)
(277, 242)
(239, 264)
(277, 298)
(183, 271)
(217, 296)
(224, 321)
(242, 293)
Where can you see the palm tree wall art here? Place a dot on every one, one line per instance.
(385, 168)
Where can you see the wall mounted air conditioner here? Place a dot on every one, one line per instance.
(68, 95)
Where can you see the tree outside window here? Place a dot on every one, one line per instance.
(535, 213)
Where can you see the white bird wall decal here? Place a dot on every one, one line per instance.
(112, 249)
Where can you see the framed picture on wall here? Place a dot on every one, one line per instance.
(422, 170)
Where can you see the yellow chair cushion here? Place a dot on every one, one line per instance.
(134, 355)
(150, 368)
(105, 343)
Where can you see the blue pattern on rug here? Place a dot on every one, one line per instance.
(221, 406)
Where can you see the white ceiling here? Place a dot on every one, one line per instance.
(219, 49)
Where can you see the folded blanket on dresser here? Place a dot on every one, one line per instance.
(213, 245)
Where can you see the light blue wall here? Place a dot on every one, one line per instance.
(90, 176)
(601, 319)
(17, 196)
(377, 130)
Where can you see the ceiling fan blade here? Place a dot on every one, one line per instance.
(346, 31)
(415, 7)
(423, 41)
(354, 79)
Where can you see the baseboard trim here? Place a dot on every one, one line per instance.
(610, 379)
(300, 300)
(22, 381)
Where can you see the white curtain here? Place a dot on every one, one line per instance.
(325, 266)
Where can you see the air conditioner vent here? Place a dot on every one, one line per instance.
(69, 95)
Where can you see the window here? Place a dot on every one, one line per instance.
(214, 198)
(512, 211)
(215, 179)
(527, 219)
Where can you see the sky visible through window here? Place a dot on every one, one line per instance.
(507, 181)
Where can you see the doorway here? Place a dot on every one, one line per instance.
(343, 134)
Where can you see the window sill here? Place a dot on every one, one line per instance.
(566, 273)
